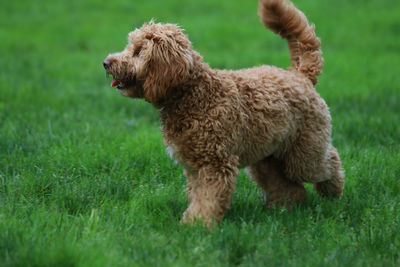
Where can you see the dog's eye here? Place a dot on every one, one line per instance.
(136, 52)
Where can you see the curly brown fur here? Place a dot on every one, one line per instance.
(214, 122)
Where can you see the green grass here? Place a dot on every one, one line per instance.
(84, 177)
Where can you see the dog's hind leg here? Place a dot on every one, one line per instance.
(334, 186)
(315, 164)
(276, 188)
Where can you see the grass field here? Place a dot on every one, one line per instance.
(84, 177)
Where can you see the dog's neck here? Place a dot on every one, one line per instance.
(198, 80)
(183, 105)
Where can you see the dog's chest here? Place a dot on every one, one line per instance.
(171, 151)
(174, 154)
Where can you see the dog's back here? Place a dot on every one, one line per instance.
(274, 104)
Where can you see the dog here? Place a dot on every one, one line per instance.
(268, 120)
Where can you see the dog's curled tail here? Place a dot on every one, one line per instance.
(285, 19)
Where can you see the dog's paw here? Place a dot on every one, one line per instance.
(191, 219)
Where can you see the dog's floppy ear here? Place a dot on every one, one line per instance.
(169, 64)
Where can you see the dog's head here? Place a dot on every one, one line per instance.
(157, 59)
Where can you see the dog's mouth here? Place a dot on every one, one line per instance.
(122, 85)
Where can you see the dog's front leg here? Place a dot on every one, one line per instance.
(210, 193)
(191, 182)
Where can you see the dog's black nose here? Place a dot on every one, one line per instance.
(106, 63)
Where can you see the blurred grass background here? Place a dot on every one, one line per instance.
(84, 177)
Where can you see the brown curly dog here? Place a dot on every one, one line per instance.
(269, 120)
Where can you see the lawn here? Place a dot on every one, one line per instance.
(84, 176)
